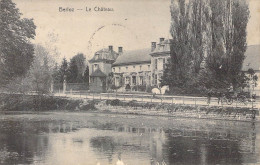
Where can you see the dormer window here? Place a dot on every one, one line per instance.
(96, 67)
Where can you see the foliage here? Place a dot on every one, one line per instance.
(19, 102)
(40, 72)
(89, 105)
(228, 22)
(59, 74)
(127, 87)
(115, 102)
(148, 88)
(86, 76)
(110, 80)
(141, 88)
(76, 69)
(208, 45)
(250, 78)
(38, 78)
(177, 69)
(16, 51)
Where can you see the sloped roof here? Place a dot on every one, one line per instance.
(252, 58)
(134, 57)
(162, 47)
(98, 73)
(104, 55)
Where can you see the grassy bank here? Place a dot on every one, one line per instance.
(19, 102)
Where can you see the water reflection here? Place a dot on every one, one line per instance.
(119, 142)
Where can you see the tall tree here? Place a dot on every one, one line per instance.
(63, 71)
(179, 65)
(76, 69)
(86, 76)
(72, 76)
(209, 43)
(16, 51)
(228, 22)
(40, 72)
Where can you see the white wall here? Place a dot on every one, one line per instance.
(132, 68)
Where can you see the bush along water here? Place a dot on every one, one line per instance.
(184, 110)
(20, 102)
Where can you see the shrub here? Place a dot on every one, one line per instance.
(90, 105)
(141, 88)
(127, 87)
(108, 102)
(115, 102)
(134, 88)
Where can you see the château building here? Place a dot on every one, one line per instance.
(99, 68)
(142, 67)
(160, 53)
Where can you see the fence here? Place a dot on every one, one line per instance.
(144, 98)
(70, 87)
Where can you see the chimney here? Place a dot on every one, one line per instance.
(120, 50)
(161, 39)
(153, 46)
(110, 48)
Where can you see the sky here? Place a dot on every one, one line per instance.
(133, 24)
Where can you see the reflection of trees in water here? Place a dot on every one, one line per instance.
(201, 151)
(198, 146)
(105, 145)
(18, 143)
(185, 142)
(214, 147)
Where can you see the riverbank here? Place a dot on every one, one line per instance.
(35, 103)
(51, 135)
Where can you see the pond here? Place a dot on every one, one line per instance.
(66, 138)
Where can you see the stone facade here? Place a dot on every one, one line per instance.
(145, 67)
(160, 53)
(142, 67)
(99, 68)
(133, 68)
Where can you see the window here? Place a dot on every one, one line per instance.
(127, 80)
(140, 67)
(141, 80)
(126, 68)
(155, 79)
(134, 80)
(134, 66)
(119, 69)
(114, 69)
(155, 63)
(95, 67)
(148, 67)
